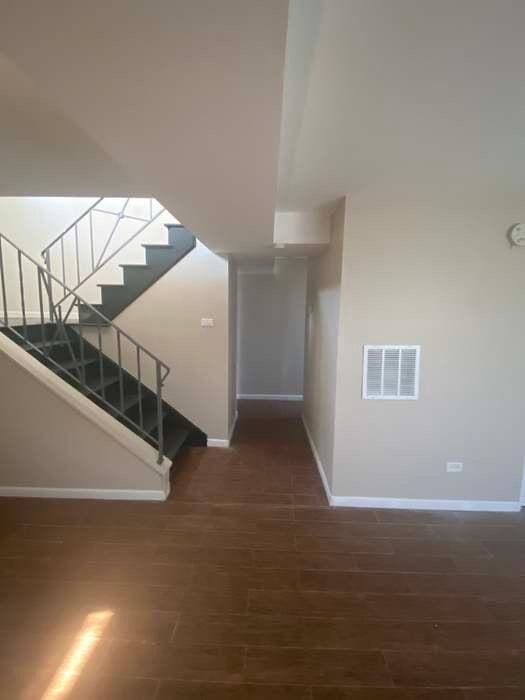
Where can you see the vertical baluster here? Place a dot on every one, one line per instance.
(91, 241)
(76, 254)
(50, 286)
(41, 306)
(160, 426)
(82, 354)
(63, 260)
(139, 387)
(22, 294)
(101, 361)
(2, 280)
(120, 378)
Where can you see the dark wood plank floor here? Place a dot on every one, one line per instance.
(245, 585)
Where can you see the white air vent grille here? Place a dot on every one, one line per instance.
(391, 372)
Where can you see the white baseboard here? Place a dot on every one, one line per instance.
(218, 442)
(318, 462)
(425, 504)
(406, 503)
(271, 397)
(102, 494)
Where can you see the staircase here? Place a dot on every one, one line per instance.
(95, 238)
(138, 277)
(85, 348)
(111, 387)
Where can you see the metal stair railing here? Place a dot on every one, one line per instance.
(25, 283)
(98, 253)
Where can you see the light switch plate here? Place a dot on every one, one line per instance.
(207, 322)
(454, 466)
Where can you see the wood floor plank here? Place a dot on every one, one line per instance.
(246, 585)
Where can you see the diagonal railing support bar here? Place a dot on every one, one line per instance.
(110, 237)
(97, 263)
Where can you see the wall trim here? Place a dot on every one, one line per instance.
(100, 494)
(406, 503)
(218, 442)
(425, 504)
(318, 462)
(271, 397)
(221, 442)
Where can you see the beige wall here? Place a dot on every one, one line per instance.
(433, 268)
(46, 443)
(271, 329)
(33, 222)
(324, 281)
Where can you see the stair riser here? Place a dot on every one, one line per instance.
(181, 238)
(162, 259)
(139, 278)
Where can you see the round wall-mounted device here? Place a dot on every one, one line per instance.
(517, 234)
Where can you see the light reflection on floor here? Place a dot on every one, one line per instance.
(78, 655)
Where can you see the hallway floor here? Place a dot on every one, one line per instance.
(246, 585)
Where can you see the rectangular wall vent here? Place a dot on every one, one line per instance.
(391, 372)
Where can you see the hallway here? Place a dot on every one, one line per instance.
(245, 585)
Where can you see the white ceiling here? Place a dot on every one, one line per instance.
(402, 90)
(183, 101)
(42, 152)
(185, 97)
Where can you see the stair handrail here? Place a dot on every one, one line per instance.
(46, 278)
(73, 228)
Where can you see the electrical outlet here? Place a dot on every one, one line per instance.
(454, 466)
(207, 322)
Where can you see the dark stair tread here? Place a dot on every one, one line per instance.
(77, 364)
(88, 310)
(96, 383)
(135, 266)
(40, 344)
(149, 419)
(89, 317)
(174, 441)
(157, 246)
(130, 400)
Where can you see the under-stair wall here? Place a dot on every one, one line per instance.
(166, 318)
(56, 442)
